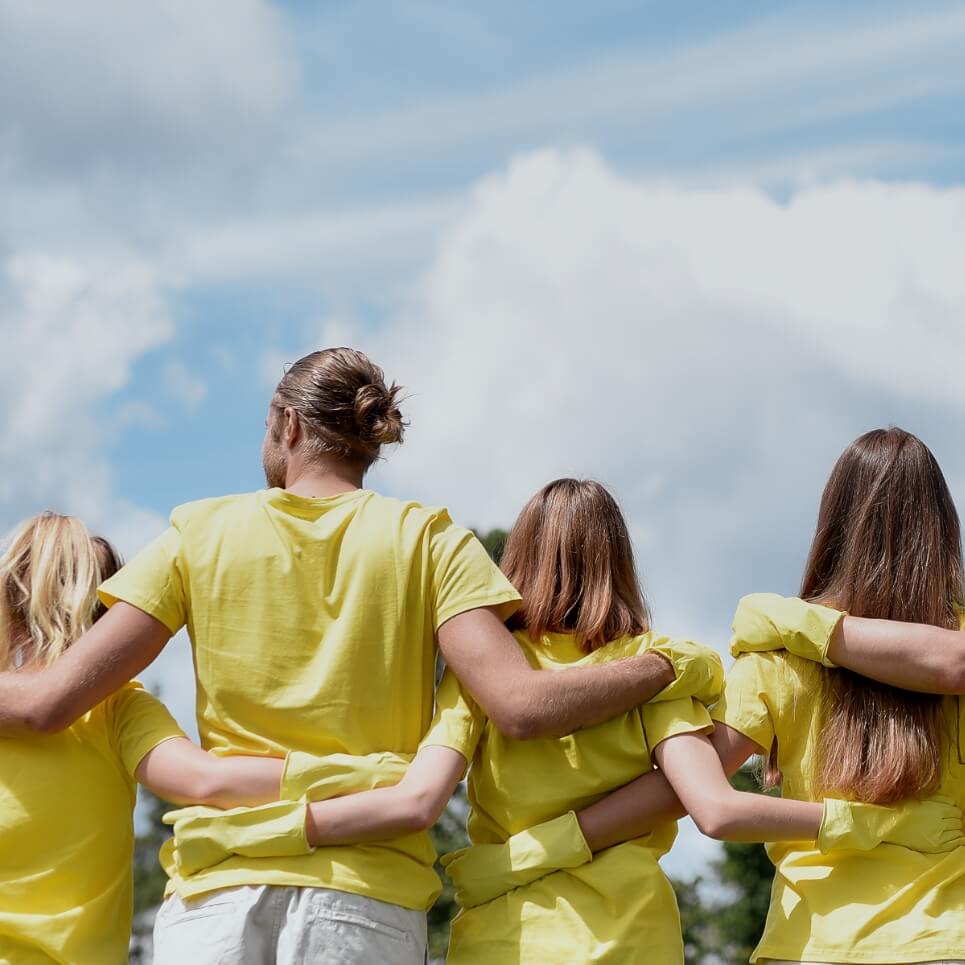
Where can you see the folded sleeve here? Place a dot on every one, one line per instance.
(463, 576)
(153, 582)
(670, 718)
(139, 722)
(458, 722)
(752, 686)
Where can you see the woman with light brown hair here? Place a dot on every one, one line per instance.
(537, 895)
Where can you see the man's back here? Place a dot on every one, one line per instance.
(313, 625)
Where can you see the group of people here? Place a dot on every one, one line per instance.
(316, 611)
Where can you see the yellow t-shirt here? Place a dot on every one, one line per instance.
(67, 836)
(885, 905)
(618, 908)
(313, 628)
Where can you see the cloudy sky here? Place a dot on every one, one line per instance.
(691, 250)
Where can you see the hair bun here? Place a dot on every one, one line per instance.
(377, 414)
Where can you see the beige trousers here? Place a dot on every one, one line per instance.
(252, 925)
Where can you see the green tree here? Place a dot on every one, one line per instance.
(726, 929)
(149, 876)
(747, 873)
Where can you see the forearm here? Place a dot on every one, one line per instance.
(524, 702)
(556, 703)
(698, 769)
(742, 816)
(630, 812)
(642, 805)
(118, 647)
(377, 815)
(414, 804)
(908, 655)
(182, 773)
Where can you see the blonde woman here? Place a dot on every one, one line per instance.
(66, 799)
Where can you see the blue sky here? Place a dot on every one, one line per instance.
(691, 250)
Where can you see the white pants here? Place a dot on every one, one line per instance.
(269, 925)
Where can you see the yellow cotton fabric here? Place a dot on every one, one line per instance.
(617, 908)
(313, 628)
(885, 905)
(66, 833)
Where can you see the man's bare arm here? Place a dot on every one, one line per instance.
(908, 655)
(118, 647)
(524, 702)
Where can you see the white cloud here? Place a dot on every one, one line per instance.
(707, 352)
(781, 72)
(71, 332)
(108, 83)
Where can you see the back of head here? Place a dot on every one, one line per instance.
(49, 574)
(570, 557)
(888, 545)
(343, 403)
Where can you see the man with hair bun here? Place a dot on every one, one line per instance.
(315, 608)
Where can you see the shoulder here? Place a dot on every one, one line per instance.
(204, 511)
(408, 511)
(774, 673)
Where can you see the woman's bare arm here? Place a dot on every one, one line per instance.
(181, 772)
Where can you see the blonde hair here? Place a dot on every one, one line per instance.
(570, 557)
(49, 574)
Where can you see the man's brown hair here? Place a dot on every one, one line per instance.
(343, 403)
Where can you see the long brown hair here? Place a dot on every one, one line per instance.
(570, 557)
(888, 545)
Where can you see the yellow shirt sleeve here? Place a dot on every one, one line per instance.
(669, 718)
(138, 723)
(463, 575)
(753, 687)
(152, 582)
(458, 722)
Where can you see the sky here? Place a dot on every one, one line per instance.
(689, 250)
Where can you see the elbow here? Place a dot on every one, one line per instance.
(952, 675)
(47, 718)
(517, 721)
(517, 716)
(713, 820)
(420, 811)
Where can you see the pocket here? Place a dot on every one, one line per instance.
(339, 917)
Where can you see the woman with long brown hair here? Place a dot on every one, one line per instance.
(887, 547)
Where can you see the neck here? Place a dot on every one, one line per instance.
(321, 480)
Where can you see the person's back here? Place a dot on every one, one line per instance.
(67, 799)
(887, 545)
(570, 543)
(313, 609)
(889, 904)
(313, 622)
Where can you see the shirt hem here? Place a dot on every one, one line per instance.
(920, 955)
(220, 882)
